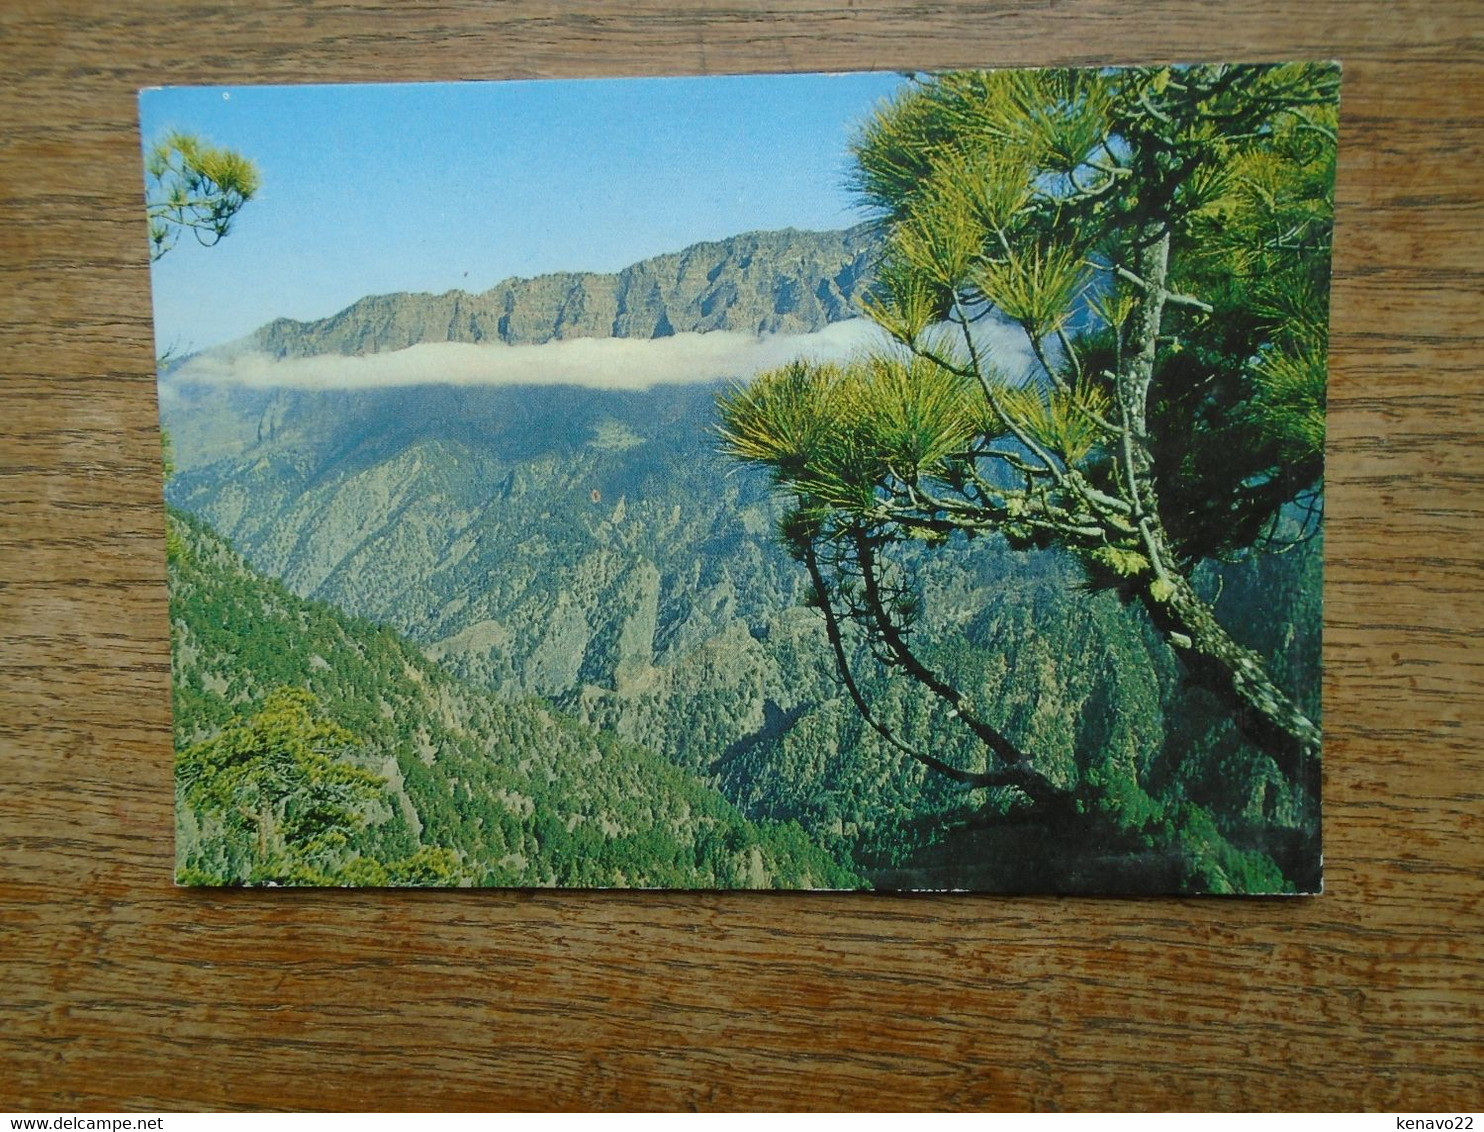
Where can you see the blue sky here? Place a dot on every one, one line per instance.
(427, 187)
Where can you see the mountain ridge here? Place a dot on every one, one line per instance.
(764, 282)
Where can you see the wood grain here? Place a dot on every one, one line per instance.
(118, 991)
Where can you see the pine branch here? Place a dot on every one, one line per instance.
(1030, 782)
(909, 662)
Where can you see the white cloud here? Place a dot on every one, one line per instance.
(598, 363)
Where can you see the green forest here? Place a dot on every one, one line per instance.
(314, 748)
(906, 622)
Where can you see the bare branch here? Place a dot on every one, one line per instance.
(914, 667)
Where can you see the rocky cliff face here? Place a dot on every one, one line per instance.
(758, 282)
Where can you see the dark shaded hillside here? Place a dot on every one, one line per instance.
(758, 282)
(468, 788)
(438, 510)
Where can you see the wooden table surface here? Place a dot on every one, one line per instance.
(118, 991)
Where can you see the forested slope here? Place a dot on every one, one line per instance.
(455, 785)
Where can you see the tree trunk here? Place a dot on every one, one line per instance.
(1239, 677)
(1235, 674)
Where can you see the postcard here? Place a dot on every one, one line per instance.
(857, 481)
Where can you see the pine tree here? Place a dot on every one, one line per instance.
(279, 784)
(194, 186)
(1161, 238)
